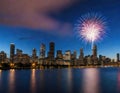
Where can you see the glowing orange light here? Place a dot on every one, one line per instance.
(33, 64)
(11, 65)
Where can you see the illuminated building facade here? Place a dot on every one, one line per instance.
(12, 52)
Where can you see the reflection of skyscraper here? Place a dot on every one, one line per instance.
(51, 50)
(118, 57)
(42, 51)
(12, 52)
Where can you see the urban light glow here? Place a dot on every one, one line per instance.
(12, 65)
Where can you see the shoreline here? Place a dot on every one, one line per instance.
(56, 67)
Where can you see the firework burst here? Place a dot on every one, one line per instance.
(91, 27)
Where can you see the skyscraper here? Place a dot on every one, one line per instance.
(118, 57)
(81, 54)
(12, 52)
(67, 55)
(51, 50)
(42, 51)
(34, 53)
(59, 54)
(19, 52)
(94, 51)
(81, 57)
(75, 54)
(94, 55)
(3, 56)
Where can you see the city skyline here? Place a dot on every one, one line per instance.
(55, 58)
(29, 29)
(63, 51)
(44, 52)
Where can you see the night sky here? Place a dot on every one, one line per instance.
(28, 23)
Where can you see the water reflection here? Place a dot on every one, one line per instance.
(33, 81)
(91, 81)
(60, 81)
(42, 82)
(0, 73)
(118, 77)
(64, 81)
(0, 77)
(69, 80)
(12, 81)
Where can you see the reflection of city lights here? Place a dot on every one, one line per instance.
(33, 83)
(0, 76)
(12, 70)
(91, 81)
(0, 73)
(69, 78)
(0, 65)
(118, 81)
(11, 80)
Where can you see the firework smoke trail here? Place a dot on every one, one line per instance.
(91, 27)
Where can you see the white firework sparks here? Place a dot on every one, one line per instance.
(91, 27)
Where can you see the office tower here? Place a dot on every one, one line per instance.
(67, 55)
(34, 53)
(73, 58)
(100, 60)
(81, 57)
(94, 55)
(3, 56)
(51, 50)
(59, 54)
(42, 51)
(118, 57)
(100, 57)
(81, 54)
(12, 52)
(75, 54)
(25, 58)
(94, 51)
(19, 52)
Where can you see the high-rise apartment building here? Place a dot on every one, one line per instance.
(118, 57)
(59, 54)
(51, 52)
(12, 52)
(42, 51)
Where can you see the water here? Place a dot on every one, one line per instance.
(67, 80)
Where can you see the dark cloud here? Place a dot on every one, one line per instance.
(33, 14)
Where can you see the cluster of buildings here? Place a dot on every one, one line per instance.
(68, 58)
